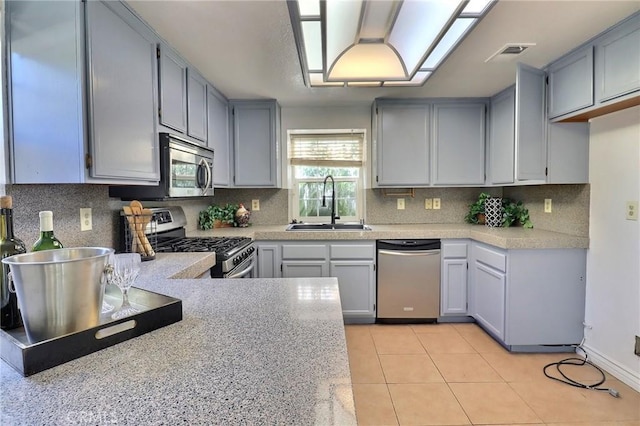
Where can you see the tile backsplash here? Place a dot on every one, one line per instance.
(570, 212)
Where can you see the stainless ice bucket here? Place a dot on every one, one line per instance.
(59, 291)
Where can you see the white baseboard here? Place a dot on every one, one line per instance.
(621, 373)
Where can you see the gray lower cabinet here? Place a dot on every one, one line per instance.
(173, 89)
(218, 136)
(256, 135)
(528, 298)
(401, 144)
(352, 262)
(99, 107)
(459, 143)
(454, 268)
(304, 268)
(571, 82)
(617, 66)
(269, 260)
(196, 105)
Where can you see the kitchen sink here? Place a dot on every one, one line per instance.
(328, 227)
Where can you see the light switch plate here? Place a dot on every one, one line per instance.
(632, 210)
(400, 203)
(436, 203)
(255, 205)
(547, 205)
(86, 221)
(428, 203)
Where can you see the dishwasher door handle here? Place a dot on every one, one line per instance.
(409, 253)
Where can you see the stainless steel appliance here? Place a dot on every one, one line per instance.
(235, 256)
(408, 280)
(186, 170)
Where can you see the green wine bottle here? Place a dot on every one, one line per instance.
(47, 240)
(9, 245)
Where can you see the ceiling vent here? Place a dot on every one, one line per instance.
(509, 52)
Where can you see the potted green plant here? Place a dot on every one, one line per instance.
(515, 213)
(218, 216)
(476, 210)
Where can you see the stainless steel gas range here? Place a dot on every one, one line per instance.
(235, 256)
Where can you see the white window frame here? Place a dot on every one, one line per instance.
(360, 180)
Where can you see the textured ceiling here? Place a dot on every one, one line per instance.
(247, 49)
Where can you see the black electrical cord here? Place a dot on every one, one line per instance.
(579, 362)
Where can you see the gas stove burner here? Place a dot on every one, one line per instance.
(223, 246)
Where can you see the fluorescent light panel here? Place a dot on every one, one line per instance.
(379, 42)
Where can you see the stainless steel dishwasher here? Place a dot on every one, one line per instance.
(408, 280)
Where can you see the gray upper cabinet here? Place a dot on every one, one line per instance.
(568, 153)
(173, 90)
(196, 105)
(402, 144)
(458, 143)
(122, 93)
(530, 124)
(502, 137)
(571, 83)
(98, 105)
(617, 70)
(256, 132)
(518, 140)
(218, 136)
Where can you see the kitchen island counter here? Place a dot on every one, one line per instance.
(250, 351)
(506, 238)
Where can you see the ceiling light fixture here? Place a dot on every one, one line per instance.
(364, 43)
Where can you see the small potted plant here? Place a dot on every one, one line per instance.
(515, 213)
(476, 210)
(218, 216)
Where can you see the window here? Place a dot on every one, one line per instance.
(315, 155)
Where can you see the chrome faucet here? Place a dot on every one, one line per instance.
(333, 198)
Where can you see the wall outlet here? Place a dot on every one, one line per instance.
(632, 210)
(255, 205)
(428, 203)
(86, 221)
(547, 205)
(400, 203)
(636, 350)
(436, 203)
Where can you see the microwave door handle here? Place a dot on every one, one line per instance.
(209, 178)
(203, 181)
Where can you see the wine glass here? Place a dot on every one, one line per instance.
(125, 270)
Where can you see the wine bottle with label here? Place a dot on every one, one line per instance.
(47, 240)
(9, 245)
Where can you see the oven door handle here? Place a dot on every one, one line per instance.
(244, 272)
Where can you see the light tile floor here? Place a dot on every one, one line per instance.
(455, 374)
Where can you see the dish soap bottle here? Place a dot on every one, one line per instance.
(9, 245)
(47, 240)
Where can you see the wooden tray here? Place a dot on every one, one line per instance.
(156, 311)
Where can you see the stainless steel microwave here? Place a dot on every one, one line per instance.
(186, 170)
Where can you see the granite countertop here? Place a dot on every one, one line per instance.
(506, 238)
(251, 351)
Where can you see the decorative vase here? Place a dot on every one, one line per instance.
(242, 217)
(481, 218)
(493, 212)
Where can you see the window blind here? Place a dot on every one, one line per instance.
(337, 150)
